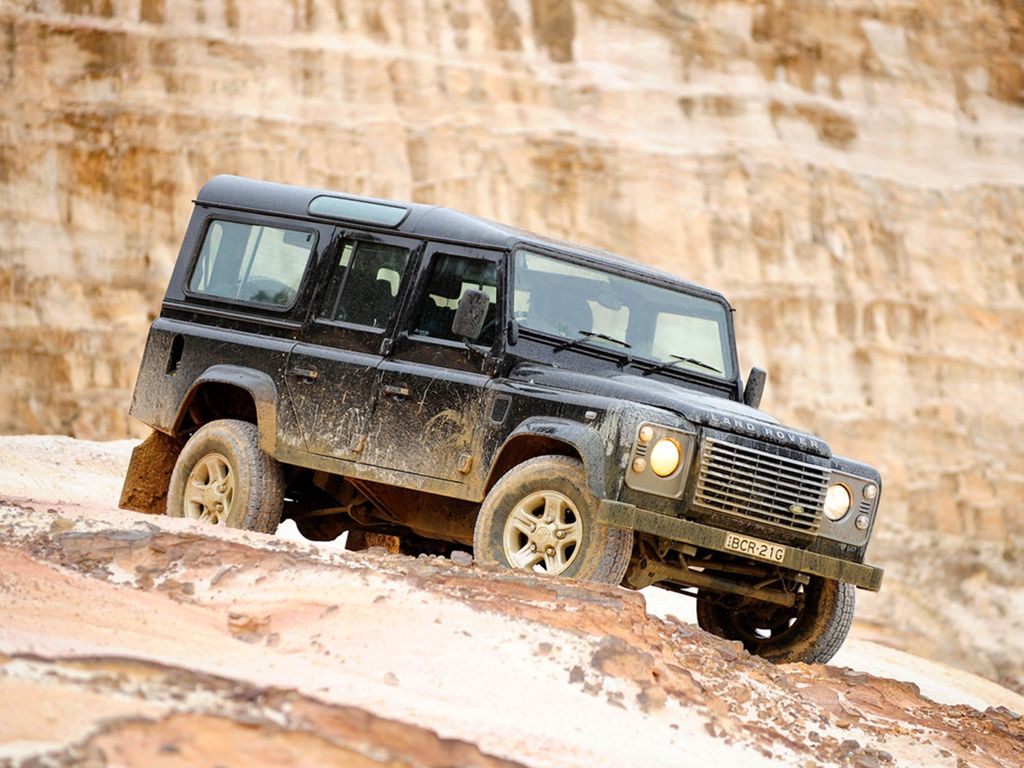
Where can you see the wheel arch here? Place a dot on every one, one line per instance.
(546, 436)
(232, 391)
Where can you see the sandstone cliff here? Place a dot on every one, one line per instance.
(849, 173)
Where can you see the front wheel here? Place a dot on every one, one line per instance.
(542, 517)
(224, 478)
(811, 631)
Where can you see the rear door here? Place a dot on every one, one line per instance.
(332, 371)
(433, 390)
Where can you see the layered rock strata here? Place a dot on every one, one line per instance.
(850, 174)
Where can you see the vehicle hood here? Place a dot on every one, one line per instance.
(696, 407)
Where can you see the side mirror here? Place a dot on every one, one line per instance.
(469, 318)
(755, 387)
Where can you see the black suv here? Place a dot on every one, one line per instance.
(428, 380)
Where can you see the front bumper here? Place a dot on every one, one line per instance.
(617, 514)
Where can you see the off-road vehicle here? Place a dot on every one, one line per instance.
(414, 375)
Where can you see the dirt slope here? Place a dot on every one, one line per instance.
(131, 640)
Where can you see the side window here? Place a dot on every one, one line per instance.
(252, 263)
(450, 277)
(364, 284)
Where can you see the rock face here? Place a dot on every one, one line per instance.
(849, 173)
(850, 176)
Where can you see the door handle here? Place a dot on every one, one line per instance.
(397, 391)
(309, 374)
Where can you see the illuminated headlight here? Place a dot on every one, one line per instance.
(665, 457)
(659, 460)
(837, 501)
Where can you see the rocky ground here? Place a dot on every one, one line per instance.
(134, 640)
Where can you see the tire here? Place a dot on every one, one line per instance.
(550, 494)
(811, 632)
(410, 545)
(222, 464)
(359, 541)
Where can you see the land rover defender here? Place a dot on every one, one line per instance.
(411, 375)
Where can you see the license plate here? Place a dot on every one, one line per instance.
(762, 550)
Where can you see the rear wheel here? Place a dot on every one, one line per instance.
(222, 477)
(811, 631)
(542, 517)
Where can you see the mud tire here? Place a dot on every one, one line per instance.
(821, 624)
(603, 553)
(258, 489)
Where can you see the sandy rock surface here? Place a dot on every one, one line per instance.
(129, 639)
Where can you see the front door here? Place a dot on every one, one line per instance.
(433, 391)
(332, 372)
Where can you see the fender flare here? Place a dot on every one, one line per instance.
(258, 384)
(585, 440)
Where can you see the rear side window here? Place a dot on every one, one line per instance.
(363, 289)
(252, 263)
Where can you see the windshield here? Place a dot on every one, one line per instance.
(645, 321)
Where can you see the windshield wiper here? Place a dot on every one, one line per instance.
(676, 361)
(587, 336)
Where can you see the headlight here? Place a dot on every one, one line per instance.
(665, 457)
(837, 501)
(659, 460)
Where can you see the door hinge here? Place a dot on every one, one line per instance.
(492, 365)
(387, 345)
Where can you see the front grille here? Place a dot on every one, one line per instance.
(757, 485)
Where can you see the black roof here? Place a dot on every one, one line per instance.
(428, 221)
